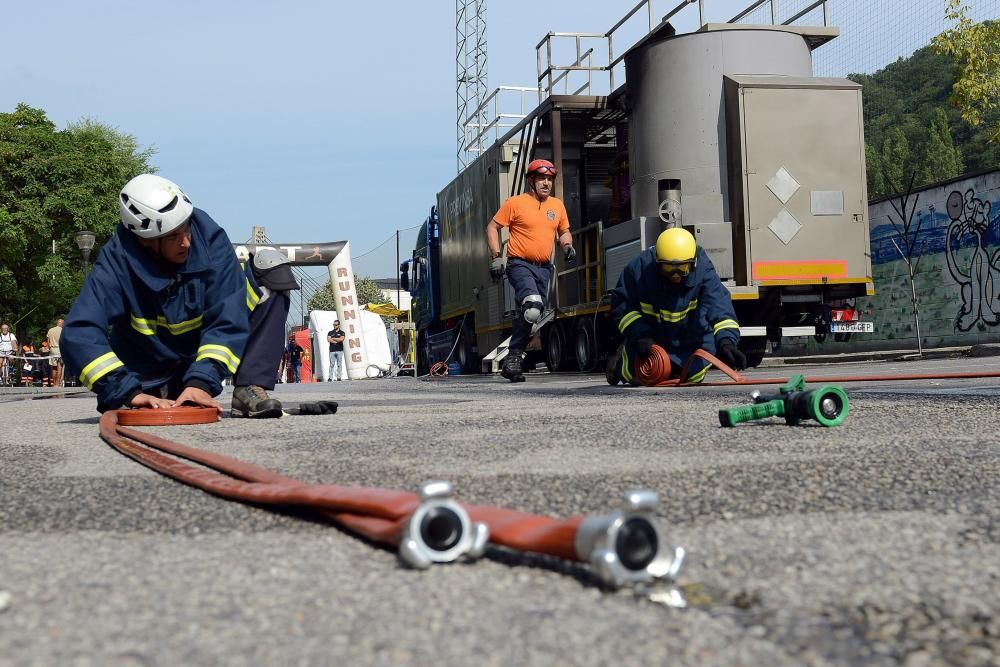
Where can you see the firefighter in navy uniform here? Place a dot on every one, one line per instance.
(165, 315)
(672, 296)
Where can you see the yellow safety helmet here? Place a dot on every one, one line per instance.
(675, 251)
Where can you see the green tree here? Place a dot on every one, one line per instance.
(942, 159)
(54, 183)
(873, 166)
(895, 159)
(976, 47)
(367, 289)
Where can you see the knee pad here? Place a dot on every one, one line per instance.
(532, 307)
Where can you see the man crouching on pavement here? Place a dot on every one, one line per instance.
(167, 312)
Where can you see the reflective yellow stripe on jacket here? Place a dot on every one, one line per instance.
(725, 324)
(627, 319)
(220, 353)
(669, 316)
(98, 368)
(252, 297)
(148, 327)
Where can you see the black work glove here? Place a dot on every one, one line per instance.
(569, 252)
(731, 355)
(497, 267)
(644, 346)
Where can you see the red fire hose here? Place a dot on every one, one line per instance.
(427, 528)
(654, 371)
(623, 546)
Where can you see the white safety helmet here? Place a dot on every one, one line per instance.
(151, 206)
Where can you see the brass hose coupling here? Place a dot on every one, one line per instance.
(439, 530)
(626, 546)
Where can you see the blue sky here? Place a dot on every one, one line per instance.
(321, 121)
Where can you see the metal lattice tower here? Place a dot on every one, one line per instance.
(470, 60)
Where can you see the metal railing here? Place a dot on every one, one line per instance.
(493, 119)
(547, 69)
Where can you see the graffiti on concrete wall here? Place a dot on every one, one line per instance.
(956, 251)
(977, 273)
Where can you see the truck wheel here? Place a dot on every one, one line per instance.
(554, 347)
(585, 344)
(423, 365)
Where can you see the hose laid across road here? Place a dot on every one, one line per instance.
(623, 546)
(654, 371)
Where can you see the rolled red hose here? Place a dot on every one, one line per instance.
(653, 369)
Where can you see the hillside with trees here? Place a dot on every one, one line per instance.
(911, 129)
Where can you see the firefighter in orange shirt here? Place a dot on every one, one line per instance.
(534, 220)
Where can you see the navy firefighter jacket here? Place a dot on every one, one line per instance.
(133, 326)
(697, 312)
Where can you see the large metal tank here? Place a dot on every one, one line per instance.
(677, 124)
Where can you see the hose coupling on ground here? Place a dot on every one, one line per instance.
(626, 546)
(439, 530)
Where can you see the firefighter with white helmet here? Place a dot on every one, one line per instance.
(534, 219)
(671, 296)
(168, 312)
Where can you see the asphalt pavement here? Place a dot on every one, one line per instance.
(873, 543)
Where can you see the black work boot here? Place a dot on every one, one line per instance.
(512, 369)
(252, 401)
(611, 372)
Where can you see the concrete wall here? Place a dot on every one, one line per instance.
(958, 274)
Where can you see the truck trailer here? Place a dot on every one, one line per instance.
(724, 131)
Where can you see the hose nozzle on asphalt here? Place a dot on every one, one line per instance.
(439, 530)
(827, 405)
(625, 546)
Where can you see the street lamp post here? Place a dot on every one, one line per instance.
(85, 240)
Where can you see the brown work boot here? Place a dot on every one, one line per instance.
(253, 402)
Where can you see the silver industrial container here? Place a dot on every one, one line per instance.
(677, 124)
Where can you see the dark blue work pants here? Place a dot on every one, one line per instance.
(526, 278)
(266, 343)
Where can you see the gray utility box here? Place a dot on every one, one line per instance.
(716, 239)
(797, 180)
(623, 242)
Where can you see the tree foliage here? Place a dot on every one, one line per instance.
(54, 183)
(976, 47)
(908, 99)
(367, 289)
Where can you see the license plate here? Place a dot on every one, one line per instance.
(852, 327)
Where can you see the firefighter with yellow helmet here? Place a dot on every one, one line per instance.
(671, 296)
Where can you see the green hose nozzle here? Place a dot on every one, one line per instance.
(828, 405)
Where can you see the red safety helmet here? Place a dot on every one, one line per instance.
(543, 167)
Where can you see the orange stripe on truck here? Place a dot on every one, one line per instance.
(826, 268)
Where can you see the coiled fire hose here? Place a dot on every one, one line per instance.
(624, 546)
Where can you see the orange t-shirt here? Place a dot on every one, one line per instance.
(533, 225)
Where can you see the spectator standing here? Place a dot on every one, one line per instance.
(336, 339)
(294, 352)
(28, 363)
(56, 365)
(43, 374)
(8, 348)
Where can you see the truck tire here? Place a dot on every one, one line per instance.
(585, 344)
(555, 348)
